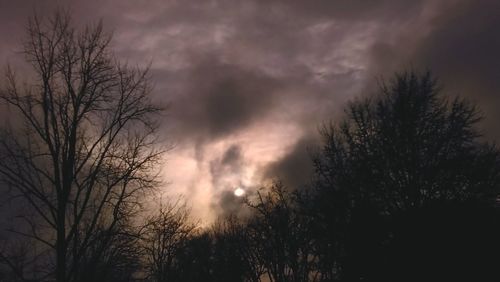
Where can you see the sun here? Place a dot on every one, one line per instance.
(239, 192)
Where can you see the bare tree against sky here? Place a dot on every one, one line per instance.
(282, 236)
(163, 235)
(86, 148)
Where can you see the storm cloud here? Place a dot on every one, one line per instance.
(295, 168)
(249, 82)
(221, 99)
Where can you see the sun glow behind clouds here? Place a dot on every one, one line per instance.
(191, 175)
(239, 192)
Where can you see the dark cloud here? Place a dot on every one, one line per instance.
(232, 156)
(352, 10)
(220, 99)
(295, 168)
(225, 166)
(459, 43)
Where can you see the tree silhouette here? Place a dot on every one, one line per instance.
(409, 146)
(194, 260)
(393, 154)
(163, 236)
(85, 150)
(281, 234)
(236, 255)
(442, 242)
(117, 259)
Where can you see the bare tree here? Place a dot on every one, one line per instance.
(282, 236)
(86, 149)
(236, 254)
(116, 259)
(164, 234)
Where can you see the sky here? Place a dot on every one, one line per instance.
(248, 83)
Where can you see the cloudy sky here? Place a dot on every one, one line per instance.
(248, 82)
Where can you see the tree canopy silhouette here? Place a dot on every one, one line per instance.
(408, 146)
(86, 148)
(395, 153)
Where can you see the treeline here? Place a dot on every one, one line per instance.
(404, 188)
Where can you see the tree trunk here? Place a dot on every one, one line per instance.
(61, 245)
